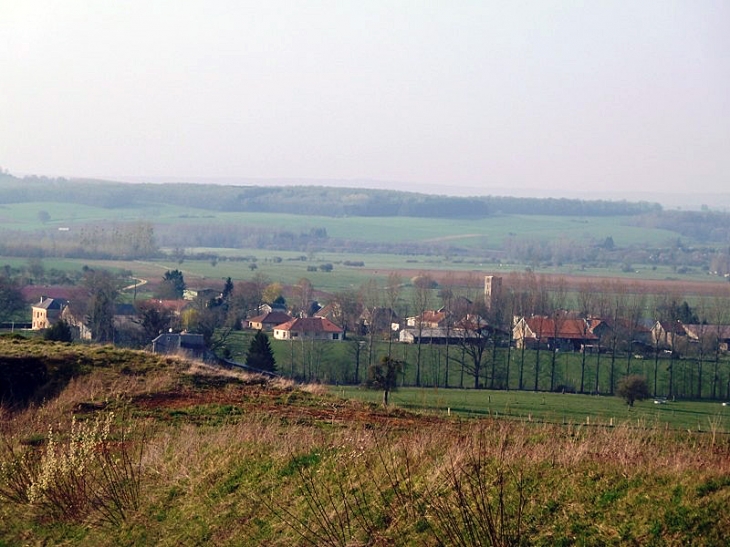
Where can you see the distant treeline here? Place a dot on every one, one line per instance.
(704, 226)
(303, 200)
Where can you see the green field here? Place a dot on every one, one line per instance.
(335, 363)
(484, 233)
(377, 266)
(562, 408)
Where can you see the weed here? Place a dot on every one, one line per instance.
(482, 501)
(713, 484)
(76, 473)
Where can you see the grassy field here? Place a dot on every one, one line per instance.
(335, 363)
(377, 266)
(559, 408)
(127, 448)
(483, 233)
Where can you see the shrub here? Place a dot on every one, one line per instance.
(60, 332)
(632, 388)
(77, 473)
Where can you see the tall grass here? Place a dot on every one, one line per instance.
(486, 483)
(243, 463)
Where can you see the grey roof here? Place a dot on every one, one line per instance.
(51, 304)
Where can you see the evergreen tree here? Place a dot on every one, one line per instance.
(11, 299)
(172, 286)
(227, 290)
(260, 356)
(59, 332)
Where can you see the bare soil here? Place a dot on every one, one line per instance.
(293, 406)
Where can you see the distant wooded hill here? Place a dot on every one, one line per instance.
(303, 200)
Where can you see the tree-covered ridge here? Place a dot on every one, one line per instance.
(303, 200)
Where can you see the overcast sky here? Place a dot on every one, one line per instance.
(476, 96)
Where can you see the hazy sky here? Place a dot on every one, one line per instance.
(621, 95)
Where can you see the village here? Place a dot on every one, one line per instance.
(480, 327)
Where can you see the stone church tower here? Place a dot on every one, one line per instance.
(492, 289)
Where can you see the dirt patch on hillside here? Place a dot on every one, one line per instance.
(291, 405)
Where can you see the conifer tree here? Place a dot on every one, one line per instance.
(260, 356)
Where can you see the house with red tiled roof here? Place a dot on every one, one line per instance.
(267, 321)
(621, 329)
(560, 332)
(429, 319)
(309, 328)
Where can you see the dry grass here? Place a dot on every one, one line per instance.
(231, 458)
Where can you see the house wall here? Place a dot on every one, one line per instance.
(43, 318)
(40, 319)
(297, 335)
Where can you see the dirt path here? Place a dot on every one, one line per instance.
(137, 285)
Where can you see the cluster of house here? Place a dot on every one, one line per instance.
(562, 332)
(50, 310)
(566, 333)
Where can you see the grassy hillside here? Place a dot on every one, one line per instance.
(138, 450)
(464, 232)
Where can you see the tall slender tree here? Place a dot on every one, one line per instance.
(447, 297)
(392, 297)
(422, 288)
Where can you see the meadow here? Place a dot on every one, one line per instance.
(709, 417)
(482, 233)
(123, 447)
(335, 363)
(288, 268)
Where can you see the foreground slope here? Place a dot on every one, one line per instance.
(116, 447)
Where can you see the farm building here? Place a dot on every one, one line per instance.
(563, 333)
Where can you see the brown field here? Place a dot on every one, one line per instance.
(577, 282)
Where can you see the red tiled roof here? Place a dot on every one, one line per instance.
(277, 317)
(431, 316)
(548, 327)
(309, 324)
(720, 331)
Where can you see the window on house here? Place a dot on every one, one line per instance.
(335, 336)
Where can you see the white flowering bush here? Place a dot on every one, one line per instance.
(77, 473)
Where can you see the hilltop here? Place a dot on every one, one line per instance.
(301, 199)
